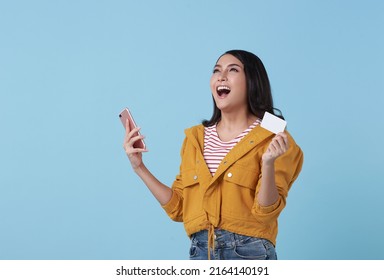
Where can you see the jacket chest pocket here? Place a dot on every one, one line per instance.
(190, 178)
(242, 177)
(238, 191)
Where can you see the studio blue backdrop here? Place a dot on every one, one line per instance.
(67, 68)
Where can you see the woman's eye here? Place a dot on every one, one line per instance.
(233, 70)
(215, 70)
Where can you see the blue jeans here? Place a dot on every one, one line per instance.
(231, 246)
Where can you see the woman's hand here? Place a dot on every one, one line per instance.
(162, 193)
(134, 154)
(276, 148)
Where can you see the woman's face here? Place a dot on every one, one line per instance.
(228, 84)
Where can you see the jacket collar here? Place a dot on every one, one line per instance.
(254, 138)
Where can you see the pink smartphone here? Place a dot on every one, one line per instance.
(126, 115)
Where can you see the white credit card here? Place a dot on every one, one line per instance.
(273, 123)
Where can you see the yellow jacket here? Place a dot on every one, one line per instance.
(228, 199)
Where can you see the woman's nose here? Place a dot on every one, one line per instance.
(222, 76)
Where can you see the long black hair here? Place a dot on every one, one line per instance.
(259, 94)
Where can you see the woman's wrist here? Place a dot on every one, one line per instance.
(139, 169)
(270, 162)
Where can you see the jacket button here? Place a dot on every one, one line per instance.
(251, 142)
(229, 175)
(195, 177)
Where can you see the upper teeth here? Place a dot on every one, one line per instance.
(223, 87)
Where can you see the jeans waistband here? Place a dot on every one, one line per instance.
(221, 237)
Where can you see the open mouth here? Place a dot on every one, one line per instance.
(223, 90)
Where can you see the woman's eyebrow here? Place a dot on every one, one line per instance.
(230, 65)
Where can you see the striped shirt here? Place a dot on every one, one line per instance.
(215, 149)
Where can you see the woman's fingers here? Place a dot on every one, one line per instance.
(284, 137)
(129, 135)
(281, 142)
(278, 146)
(129, 132)
(131, 138)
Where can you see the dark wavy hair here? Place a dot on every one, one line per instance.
(259, 94)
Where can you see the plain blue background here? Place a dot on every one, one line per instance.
(67, 68)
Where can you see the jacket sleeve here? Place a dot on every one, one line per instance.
(287, 169)
(174, 207)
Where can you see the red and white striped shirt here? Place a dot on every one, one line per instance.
(215, 149)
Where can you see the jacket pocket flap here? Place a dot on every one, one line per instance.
(189, 178)
(242, 177)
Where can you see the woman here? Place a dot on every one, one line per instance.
(234, 175)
